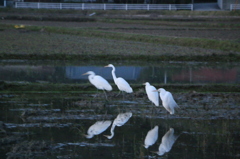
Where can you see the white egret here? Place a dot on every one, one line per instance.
(97, 128)
(121, 83)
(120, 120)
(98, 81)
(151, 93)
(151, 137)
(167, 142)
(167, 100)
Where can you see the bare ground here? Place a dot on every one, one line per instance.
(218, 33)
(217, 26)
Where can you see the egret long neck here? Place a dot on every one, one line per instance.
(114, 75)
(112, 131)
(90, 77)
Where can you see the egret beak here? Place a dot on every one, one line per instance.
(144, 84)
(88, 136)
(106, 66)
(82, 134)
(85, 73)
(107, 136)
(155, 90)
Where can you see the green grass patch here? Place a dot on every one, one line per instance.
(44, 42)
(188, 42)
(80, 88)
(180, 22)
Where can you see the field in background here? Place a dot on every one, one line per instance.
(153, 35)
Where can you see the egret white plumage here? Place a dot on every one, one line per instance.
(98, 81)
(151, 137)
(121, 83)
(167, 100)
(97, 128)
(120, 120)
(151, 93)
(167, 142)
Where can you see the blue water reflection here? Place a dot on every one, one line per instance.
(163, 72)
(128, 72)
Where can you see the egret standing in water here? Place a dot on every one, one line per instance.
(167, 100)
(151, 93)
(121, 83)
(120, 120)
(98, 81)
(97, 128)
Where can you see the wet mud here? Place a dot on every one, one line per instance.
(195, 106)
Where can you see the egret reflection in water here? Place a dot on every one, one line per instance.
(151, 137)
(120, 120)
(98, 128)
(167, 142)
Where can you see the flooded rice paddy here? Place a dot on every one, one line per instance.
(135, 73)
(56, 125)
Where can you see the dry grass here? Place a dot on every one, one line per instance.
(120, 37)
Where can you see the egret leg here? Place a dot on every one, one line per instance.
(156, 109)
(132, 95)
(123, 95)
(96, 94)
(152, 109)
(150, 113)
(105, 115)
(105, 95)
(118, 93)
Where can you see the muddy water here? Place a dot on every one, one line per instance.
(55, 125)
(42, 125)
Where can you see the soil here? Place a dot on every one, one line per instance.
(191, 26)
(43, 44)
(159, 30)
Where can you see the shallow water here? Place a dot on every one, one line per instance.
(134, 72)
(53, 126)
(42, 125)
